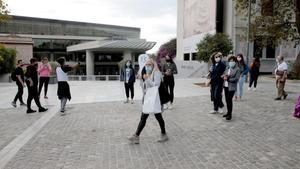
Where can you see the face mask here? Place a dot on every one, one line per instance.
(231, 64)
(128, 64)
(217, 59)
(168, 60)
(149, 69)
(239, 59)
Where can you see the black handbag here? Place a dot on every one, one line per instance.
(164, 95)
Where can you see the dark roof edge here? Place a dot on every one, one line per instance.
(73, 22)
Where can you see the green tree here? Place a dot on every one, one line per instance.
(277, 21)
(218, 42)
(3, 11)
(7, 59)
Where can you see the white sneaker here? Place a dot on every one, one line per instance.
(220, 111)
(132, 102)
(165, 106)
(249, 88)
(254, 89)
(163, 138)
(213, 112)
(170, 106)
(126, 101)
(134, 139)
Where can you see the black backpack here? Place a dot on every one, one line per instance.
(13, 75)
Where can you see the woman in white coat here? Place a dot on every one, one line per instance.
(150, 82)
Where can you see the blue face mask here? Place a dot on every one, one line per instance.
(149, 69)
(128, 64)
(231, 64)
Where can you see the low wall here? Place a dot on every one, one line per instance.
(191, 69)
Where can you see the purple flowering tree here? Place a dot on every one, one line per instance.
(168, 48)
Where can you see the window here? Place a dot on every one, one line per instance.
(186, 56)
(194, 56)
(257, 51)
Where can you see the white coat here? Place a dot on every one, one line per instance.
(151, 100)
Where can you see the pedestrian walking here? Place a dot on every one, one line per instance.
(32, 85)
(150, 81)
(216, 71)
(20, 82)
(128, 75)
(281, 76)
(244, 69)
(254, 73)
(168, 71)
(231, 78)
(44, 70)
(63, 89)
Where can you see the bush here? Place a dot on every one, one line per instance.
(7, 59)
(213, 43)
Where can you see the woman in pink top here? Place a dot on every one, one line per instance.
(44, 72)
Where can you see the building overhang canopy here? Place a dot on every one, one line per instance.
(138, 45)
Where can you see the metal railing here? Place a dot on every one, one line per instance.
(94, 77)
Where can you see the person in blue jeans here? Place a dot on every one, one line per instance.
(244, 69)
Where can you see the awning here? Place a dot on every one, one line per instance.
(141, 45)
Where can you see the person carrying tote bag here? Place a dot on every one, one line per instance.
(150, 82)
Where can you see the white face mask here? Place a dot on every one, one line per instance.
(231, 64)
(128, 64)
(217, 59)
(239, 59)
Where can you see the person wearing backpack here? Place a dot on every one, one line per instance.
(18, 76)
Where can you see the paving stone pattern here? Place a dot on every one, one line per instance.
(262, 135)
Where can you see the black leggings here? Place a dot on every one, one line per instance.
(253, 78)
(129, 86)
(20, 93)
(44, 80)
(142, 123)
(229, 96)
(170, 83)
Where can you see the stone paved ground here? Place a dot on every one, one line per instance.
(262, 135)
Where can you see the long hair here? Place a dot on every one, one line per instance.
(131, 66)
(242, 62)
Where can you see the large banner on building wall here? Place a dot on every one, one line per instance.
(199, 17)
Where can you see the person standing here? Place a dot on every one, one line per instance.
(244, 69)
(281, 76)
(20, 81)
(231, 78)
(150, 81)
(254, 73)
(128, 75)
(63, 89)
(32, 85)
(168, 70)
(44, 72)
(216, 71)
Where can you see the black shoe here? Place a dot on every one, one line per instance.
(228, 118)
(14, 104)
(284, 97)
(23, 104)
(225, 115)
(278, 98)
(30, 111)
(42, 109)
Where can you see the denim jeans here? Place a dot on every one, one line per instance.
(240, 89)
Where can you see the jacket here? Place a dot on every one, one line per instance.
(132, 75)
(233, 78)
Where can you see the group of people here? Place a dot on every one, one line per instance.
(229, 75)
(30, 79)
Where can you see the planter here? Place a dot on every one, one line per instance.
(53, 80)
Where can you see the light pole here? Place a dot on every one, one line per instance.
(248, 30)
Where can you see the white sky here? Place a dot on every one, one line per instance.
(156, 18)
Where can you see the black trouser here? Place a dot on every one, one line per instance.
(44, 80)
(20, 92)
(32, 94)
(216, 95)
(129, 86)
(253, 78)
(170, 83)
(229, 96)
(142, 123)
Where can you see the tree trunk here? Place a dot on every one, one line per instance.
(296, 67)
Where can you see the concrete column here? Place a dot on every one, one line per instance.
(89, 62)
(127, 55)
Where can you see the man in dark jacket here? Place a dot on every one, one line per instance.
(32, 85)
(20, 83)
